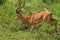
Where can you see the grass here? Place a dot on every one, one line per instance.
(10, 29)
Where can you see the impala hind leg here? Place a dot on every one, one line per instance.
(54, 22)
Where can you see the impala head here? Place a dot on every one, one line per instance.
(18, 9)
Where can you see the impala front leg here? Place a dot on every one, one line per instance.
(32, 21)
(31, 30)
(37, 28)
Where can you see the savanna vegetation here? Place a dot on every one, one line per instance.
(11, 29)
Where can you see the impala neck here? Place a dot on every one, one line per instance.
(22, 17)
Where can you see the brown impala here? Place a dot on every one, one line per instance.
(36, 18)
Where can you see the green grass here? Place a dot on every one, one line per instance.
(10, 29)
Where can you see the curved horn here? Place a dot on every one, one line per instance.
(19, 3)
(18, 10)
(23, 4)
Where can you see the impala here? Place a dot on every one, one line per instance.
(36, 18)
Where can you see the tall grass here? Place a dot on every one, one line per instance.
(10, 29)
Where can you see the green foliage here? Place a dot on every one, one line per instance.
(2, 1)
(50, 1)
(11, 29)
